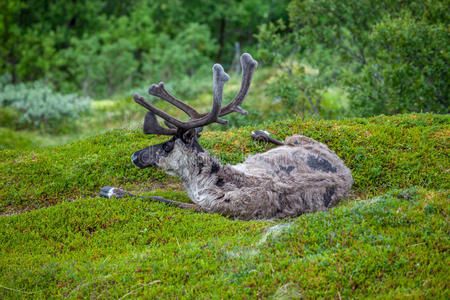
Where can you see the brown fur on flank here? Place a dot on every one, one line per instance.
(300, 177)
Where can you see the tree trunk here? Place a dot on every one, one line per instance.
(223, 24)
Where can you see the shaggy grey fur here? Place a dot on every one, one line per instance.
(300, 177)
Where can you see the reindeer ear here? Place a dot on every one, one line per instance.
(189, 135)
(198, 130)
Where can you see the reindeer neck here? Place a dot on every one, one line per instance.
(201, 176)
(201, 167)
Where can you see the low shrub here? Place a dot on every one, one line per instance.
(37, 106)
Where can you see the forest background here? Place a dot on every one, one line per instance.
(320, 59)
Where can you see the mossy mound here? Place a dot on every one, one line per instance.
(382, 152)
(391, 246)
(389, 239)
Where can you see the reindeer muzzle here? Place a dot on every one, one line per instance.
(143, 158)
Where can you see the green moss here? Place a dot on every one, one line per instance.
(392, 246)
(388, 240)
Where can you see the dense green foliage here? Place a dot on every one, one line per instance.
(103, 47)
(390, 56)
(408, 70)
(327, 59)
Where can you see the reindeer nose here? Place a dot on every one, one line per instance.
(136, 161)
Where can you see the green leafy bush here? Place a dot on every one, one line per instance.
(389, 56)
(39, 105)
(408, 72)
(9, 117)
(112, 62)
(299, 87)
(102, 67)
(188, 51)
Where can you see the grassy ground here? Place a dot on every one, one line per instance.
(391, 246)
(389, 239)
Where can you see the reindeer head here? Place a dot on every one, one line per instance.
(175, 153)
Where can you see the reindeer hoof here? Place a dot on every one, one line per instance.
(260, 135)
(110, 192)
(264, 136)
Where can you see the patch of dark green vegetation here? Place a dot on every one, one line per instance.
(382, 152)
(12, 139)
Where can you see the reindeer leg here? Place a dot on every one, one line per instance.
(110, 192)
(264, 136)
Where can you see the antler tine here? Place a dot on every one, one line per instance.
(219, 79)
(169, 125)
(151, 125)
(248, 67)
(140, 100)
(158, 90)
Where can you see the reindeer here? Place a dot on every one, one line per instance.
(299, 176)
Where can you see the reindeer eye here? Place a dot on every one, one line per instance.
(168, 146)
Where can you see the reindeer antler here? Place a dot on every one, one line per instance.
(151, 124)
(248, 67)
